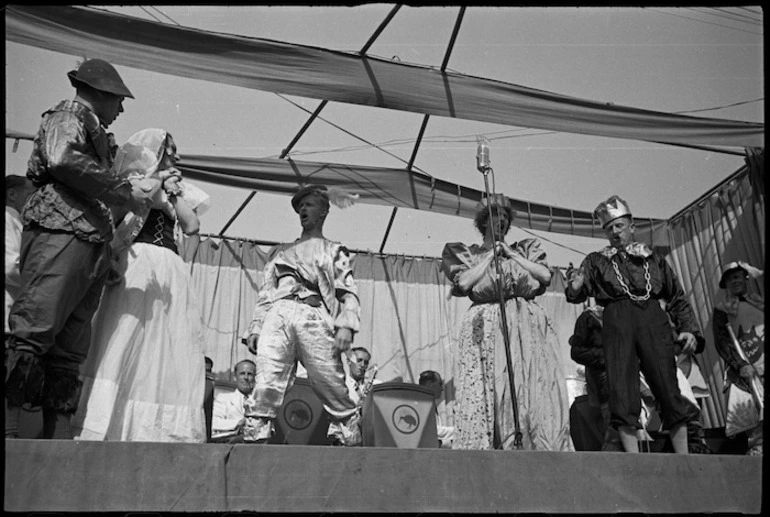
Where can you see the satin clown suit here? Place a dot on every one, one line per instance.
(307, 294)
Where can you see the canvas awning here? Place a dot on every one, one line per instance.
(398, 188)
(353, 78)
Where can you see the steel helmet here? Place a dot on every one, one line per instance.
(101, 75)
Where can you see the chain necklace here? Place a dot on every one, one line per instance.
(648, 286)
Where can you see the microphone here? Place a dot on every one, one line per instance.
(482, 155)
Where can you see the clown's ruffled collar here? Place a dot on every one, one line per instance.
(635, 249)
(730, 304)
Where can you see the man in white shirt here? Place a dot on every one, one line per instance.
(432, 380)
(228, 414)
(360, 377)
(17, 190)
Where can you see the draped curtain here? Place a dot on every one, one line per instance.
(409, 322)
(726, 225)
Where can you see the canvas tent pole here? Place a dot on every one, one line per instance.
(238, 212)
(411, 180)
(444, 64)
(310, 120)
(387, 230)
(453, 38)
(381, 28)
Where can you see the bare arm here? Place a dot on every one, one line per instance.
(471, 276)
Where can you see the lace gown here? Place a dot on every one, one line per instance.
(482, 409)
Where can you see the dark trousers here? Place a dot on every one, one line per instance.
(62, 278)
(638, 335)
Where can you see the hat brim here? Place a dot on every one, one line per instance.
(724, 274)
(75, 82)
(305, 191)
(629, 216)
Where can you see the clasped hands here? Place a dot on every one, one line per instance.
(144, 190)
(170, 179)
(504, 249)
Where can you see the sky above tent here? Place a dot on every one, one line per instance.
(697, 61)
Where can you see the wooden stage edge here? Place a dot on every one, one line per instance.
(69, 476)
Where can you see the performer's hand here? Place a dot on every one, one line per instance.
(688, 342)
(575, 278)
(251, 343)
(171, 185)
(746, 372)
(342, 340)
(505, 250)
(142, 193)
(171, 172)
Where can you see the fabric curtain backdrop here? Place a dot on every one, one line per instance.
(350, 77)
(725, 225)
(408, 321)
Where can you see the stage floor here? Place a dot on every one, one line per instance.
(69, 476)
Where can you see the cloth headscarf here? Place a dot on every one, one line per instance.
(139, 158)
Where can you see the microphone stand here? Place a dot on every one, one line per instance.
(517, 436)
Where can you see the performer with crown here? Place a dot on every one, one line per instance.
(630, 281)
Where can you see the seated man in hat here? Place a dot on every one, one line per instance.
(307, 311)
(65, 254)
(739, 337)
(629, 281)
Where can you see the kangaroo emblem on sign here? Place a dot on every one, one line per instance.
(298, 414)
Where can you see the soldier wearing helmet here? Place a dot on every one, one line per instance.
(633, 283)
(65, 255)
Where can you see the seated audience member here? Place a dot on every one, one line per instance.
(432, 380)
(739, 336)
(228, 415)
(361, 378)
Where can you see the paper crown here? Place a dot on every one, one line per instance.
(494, 200)
(747, 268)
(611, 209)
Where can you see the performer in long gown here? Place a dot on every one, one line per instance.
(483, 410)
(144, 376)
